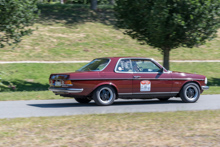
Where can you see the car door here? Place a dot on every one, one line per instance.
(149, 78)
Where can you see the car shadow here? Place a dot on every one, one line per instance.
(116, 103)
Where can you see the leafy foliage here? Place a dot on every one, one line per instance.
(16, 17)
(169, 24)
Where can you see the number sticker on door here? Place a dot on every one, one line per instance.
(145, 86)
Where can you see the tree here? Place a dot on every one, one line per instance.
(16, 17)
(169, 24)
(93, 4)
(111, 2)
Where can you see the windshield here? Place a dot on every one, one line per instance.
(95, 65)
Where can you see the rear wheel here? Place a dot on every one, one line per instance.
(104, 95)
(82, 100)
(190, 93)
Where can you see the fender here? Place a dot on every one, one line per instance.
(192, 81)
(105, 83)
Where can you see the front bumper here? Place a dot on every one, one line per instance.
(66, 90)
(205, 87)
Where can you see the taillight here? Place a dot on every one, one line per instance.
(51, 82)
(67, 82)
(58, 83)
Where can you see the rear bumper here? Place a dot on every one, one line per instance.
(205, 87)
(66, 90)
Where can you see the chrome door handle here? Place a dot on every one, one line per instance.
(136, 77)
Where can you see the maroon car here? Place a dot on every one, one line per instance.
(107, 79)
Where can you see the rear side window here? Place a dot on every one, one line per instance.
(124, 65)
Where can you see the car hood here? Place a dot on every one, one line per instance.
(176, 74)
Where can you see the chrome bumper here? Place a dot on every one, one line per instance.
(205, 87)
(66, 90)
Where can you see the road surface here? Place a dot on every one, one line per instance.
(65, 107)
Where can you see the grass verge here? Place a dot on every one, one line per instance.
(200, 128)
(28, 95)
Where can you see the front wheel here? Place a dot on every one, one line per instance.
(190, 93)
(82, 100)
(104, 95)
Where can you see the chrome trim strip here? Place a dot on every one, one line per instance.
(205, 87)
(101, 79)
(66, 90)
(147, 93)
(124, 93)
(183, 79)
(188, 79)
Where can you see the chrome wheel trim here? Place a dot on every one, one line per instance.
(105, 95)
(191, 92)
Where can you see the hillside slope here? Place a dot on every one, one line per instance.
(68, 32)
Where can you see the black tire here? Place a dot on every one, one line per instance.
(190, 93)
(82, 100)
(104, 95)
(163, 99)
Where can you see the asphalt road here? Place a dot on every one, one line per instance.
(62, 107)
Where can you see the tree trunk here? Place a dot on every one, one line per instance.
(166, 58)
(111, 2)
(93, 4)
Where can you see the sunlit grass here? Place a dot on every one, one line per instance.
(188, 128)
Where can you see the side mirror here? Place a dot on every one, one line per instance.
(161, 70)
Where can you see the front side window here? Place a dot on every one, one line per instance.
(140, 65)
(95, 65)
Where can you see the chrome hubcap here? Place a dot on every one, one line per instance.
(105, 95)
(191, 92)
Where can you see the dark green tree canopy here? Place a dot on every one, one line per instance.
(169, 24)
(15, 18)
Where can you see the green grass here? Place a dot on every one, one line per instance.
(33, 77)
(31, 80)
(188, 128)
(28, 95)
(74, 32)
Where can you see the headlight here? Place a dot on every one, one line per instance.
(206, 80)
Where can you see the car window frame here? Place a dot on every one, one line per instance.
(148, 59)
(115, 70)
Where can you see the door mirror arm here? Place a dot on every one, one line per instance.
(161, 70)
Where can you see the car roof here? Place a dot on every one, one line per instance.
(128, 57)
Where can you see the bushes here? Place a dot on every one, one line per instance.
(102, 2)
